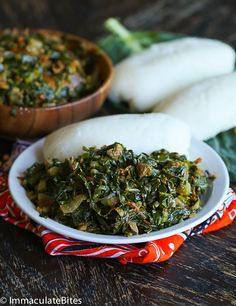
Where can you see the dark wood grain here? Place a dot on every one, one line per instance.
(202, 272)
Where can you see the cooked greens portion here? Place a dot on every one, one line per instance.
(113, 191)
(40, 69)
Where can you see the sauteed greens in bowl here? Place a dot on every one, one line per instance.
(39, 69)
(111, 190)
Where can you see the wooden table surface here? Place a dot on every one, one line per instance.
(202, 272)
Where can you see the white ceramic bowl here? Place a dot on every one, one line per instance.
(211, 162)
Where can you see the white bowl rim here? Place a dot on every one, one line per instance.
(219, 190)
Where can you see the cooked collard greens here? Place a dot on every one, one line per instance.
(40, 69)
(111, 190)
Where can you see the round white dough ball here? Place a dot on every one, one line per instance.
(165, 68)
(141, 133)
(208, 107)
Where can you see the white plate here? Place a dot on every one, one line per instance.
(211, 162)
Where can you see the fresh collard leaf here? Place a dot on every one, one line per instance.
(225, 144)
(122, 43)
(114, 47)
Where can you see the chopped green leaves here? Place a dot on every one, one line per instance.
(111, 190)
(42, 70)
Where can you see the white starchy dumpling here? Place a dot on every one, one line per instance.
(208, 107)
(166, 68)
(141, 133)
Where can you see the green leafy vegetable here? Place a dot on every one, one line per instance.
(38, 69)
(122, 42)
(112, 190)
(225, 144)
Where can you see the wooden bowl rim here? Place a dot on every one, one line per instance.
(106, 83)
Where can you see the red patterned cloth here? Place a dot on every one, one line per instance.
(153, 251)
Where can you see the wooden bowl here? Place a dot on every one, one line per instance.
(32, 122)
